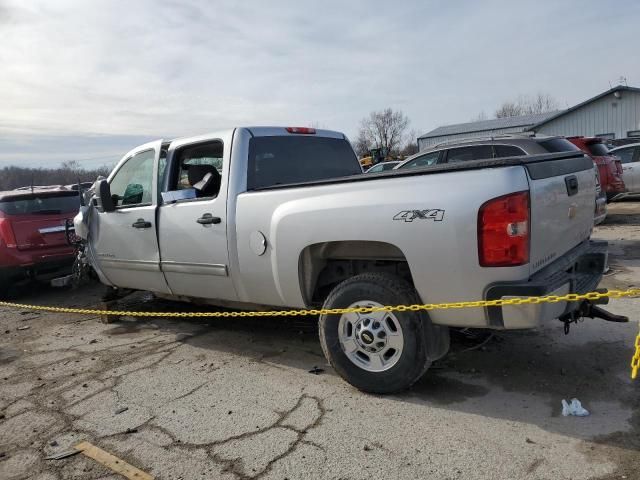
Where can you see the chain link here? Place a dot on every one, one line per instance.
(635, 361)
(571, 297)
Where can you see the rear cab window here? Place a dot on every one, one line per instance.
(41, 204)
(282, 160)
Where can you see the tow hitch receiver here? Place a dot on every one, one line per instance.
(590, 310)
(593, 311)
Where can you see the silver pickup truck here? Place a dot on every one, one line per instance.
(271, 217)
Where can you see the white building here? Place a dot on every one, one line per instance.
(613, 114)
(482, 128)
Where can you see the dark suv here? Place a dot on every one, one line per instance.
(32, 233)
(497, 147)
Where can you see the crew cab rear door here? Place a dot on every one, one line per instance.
(193, 218)
(124, 242)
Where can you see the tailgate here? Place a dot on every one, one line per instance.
(38, 216)
(39, 232)
(563, 193)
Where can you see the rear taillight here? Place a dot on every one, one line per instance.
(6, 233)
(618, 166)
(503, 231)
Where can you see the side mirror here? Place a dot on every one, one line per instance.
(103, 195)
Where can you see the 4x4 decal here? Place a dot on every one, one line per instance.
(434, 214)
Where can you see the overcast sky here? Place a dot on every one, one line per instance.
(88, 80)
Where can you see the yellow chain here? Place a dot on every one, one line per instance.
(571, 297)
(635, 361)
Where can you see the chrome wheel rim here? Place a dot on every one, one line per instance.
(372, 341)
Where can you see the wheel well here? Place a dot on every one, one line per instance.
(323, 265)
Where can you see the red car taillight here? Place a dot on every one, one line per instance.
(503, 231)
(618, 166)
(6, 233)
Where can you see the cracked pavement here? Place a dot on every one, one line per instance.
(233, 398)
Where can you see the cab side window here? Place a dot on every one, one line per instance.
(464, 154)
(423, 161)
(625, 155)
(132, 184)
(507, 151)
(197, 170)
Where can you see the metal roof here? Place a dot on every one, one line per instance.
(619, 88)
(495, 124)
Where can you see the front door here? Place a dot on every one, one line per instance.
(124, 242)
(193, 219)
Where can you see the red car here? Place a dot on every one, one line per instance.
(609, 167)
(33, 243)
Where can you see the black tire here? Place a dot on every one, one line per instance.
(4, 290)
(416, 327)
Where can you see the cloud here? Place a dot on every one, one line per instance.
(151, 69)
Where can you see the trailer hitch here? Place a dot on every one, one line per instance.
(589, 309)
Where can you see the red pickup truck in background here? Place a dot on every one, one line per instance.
(609, 167)
(33, 243)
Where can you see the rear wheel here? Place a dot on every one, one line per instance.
(382, 352)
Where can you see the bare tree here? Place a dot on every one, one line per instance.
(362, 145)
(385, 129)
(480, 117)
(71, 165)
(411, 146)
(509, 109)
(528, 105)
(69, 173)
(540, 103)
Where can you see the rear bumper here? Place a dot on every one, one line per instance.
(42, 270)
(601, 209)
(578, 271)
(616, 186)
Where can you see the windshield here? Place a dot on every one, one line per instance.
(281, 160)
(41, 205)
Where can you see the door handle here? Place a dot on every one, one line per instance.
(141, 223)
(571, 182)
(208, 219)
